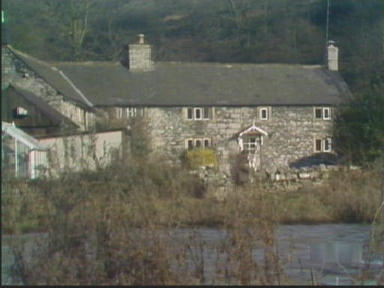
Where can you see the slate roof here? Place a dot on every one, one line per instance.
(54, 77)
(56, 117)
(184, 84)
(102, 84)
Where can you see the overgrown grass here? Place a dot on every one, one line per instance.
(93, 219)
(174, 197)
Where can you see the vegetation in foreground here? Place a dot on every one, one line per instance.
(91, 221)
(168, 197)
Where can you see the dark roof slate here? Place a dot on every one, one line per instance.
(191, 84)
(184, 84)
(53, 77)
(43, 106)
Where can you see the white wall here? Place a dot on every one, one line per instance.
(83, 152)
(37, 163)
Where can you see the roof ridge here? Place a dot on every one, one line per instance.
(31, 57)
(115, 63)
(239, 64)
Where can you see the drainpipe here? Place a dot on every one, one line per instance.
(16, 160)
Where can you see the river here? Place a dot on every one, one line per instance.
(325, 254)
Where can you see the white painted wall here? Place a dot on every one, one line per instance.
(37, 163)
(83, 152)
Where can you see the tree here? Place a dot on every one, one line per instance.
(359, 127)
(72, 18)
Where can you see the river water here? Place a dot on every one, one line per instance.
(331, 254)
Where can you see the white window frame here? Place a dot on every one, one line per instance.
(328, 110)
(205, 113)
(197, 111)
(126, 112)
(249, 145)
(325, 144)
(266, 113)
(323, 111)
(194, 141)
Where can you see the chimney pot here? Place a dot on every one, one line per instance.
(141, 38)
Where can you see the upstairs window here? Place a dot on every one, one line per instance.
(264, 113)
(323, 113)
(199, 113)
(323, 144)
(127, 112)
(191, 143)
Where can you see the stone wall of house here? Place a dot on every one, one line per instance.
(291, 132)
(15, 71)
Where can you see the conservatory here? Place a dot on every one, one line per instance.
(21, 154)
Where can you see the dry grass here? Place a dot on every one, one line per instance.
(92, 222)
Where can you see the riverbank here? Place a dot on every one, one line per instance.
(160, 200)
(301, 252)
(96, 214)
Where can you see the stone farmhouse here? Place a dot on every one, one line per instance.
(274, 115)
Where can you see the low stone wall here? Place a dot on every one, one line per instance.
(219, 183)
(306, 173)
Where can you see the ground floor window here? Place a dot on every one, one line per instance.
(323, 144)
(197, 142)
(250, 143)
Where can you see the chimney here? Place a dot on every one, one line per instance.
(139, 56)
(333, 56)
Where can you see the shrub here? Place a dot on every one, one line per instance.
(196, 158)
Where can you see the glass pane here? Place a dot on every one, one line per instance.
(198, 143)
(264, 114)
(206, 113)
(327, 144)
(197, 113)
(206, 143)
(318, 145)
(326, 113)
(318, 113)
(189, 113)
(190, 144)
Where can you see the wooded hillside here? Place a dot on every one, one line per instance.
(256, 31)
(251, 31)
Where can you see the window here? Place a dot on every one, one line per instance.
(198, 143)
(323, 113)
(264, 113)
(327, 145)
(79, 115)
(198, 113)
(251, 143)
(126, 112)
(190, 144)
(323, 144)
